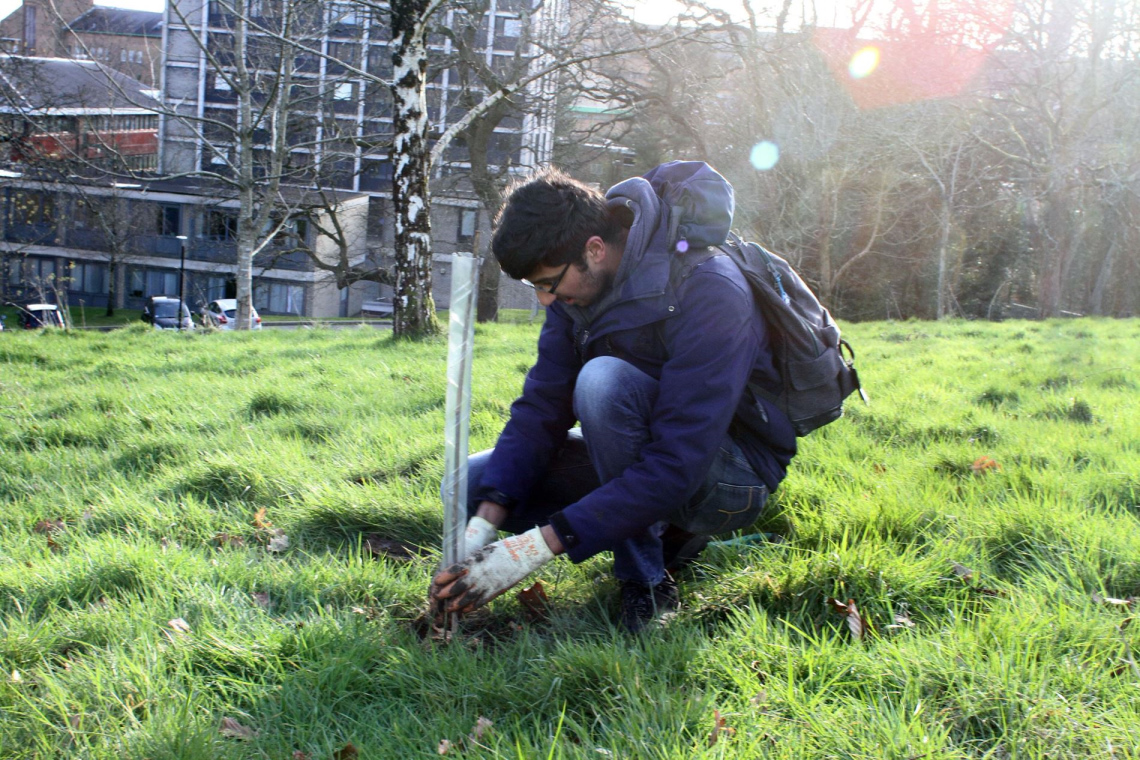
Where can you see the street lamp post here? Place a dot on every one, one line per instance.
(181, 278)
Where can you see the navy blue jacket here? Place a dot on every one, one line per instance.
(690, 323)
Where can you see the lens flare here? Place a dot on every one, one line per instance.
(864, 62)
(765, 154)
(682, 246)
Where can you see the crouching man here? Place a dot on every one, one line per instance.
(652, 342)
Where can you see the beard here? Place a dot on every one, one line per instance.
(595, 286)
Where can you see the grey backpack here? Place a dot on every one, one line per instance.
(807, 350)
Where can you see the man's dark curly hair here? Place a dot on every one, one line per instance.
(546, 220)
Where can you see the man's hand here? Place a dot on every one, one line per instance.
(479, 533)
(489, 572)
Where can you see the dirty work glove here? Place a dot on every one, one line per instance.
(489, 572)
(479, 533)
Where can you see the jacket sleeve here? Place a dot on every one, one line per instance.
(712, 343)
(540, 417)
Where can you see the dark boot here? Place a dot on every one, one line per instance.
(643, 607)
(680, 548)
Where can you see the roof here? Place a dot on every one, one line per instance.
(62, 86)
(123, 21)
(102, 183)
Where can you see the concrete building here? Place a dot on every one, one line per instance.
(126, 40)
(94, 240)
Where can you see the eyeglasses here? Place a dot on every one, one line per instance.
(553, 283)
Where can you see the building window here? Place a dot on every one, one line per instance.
(169, 222)
(343, 13)
(510, 27)
(294, 231)
(31, 207)
(161, 283)
(41, 273)
(344, 91)
(467, 221)
(215, 288)
(220, 225)
(279, 298)
(88, 277)
(137, 285)
(15, 272)
(33, 273)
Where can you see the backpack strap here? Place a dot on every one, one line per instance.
(681, 265)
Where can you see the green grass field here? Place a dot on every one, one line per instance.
(145, 478)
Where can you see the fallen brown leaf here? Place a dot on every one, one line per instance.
(278, 541)
(232, 729)
(378, 546)
(482, 726)
(223, 540)
(984, 464)
(261, 598)
(1111, 601)
(534, 602)
(299, 755)
(48, 527)
(720, 728)
(444, 747)
(178, 625)
(260, 521)
(856, 623)
(902, 620)
(347, 752)
(962, 571)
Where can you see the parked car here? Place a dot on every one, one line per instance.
(37, 315)
(381, 307)
(164, 311)
(222, 314)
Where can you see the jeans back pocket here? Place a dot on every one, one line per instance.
(724, 509)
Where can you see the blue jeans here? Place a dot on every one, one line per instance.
(614, 401)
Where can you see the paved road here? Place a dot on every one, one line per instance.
(379, 324)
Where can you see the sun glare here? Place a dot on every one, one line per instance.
(764, 155)
(864, 62)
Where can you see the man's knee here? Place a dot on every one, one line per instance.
(606, 385)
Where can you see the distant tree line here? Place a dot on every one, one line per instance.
(930, 161)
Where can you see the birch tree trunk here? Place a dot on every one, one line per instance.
(411, 162)
(247, 229)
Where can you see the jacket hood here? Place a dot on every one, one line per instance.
(687, 200)
(699, 201)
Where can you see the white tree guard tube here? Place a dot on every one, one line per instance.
(461, 336)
